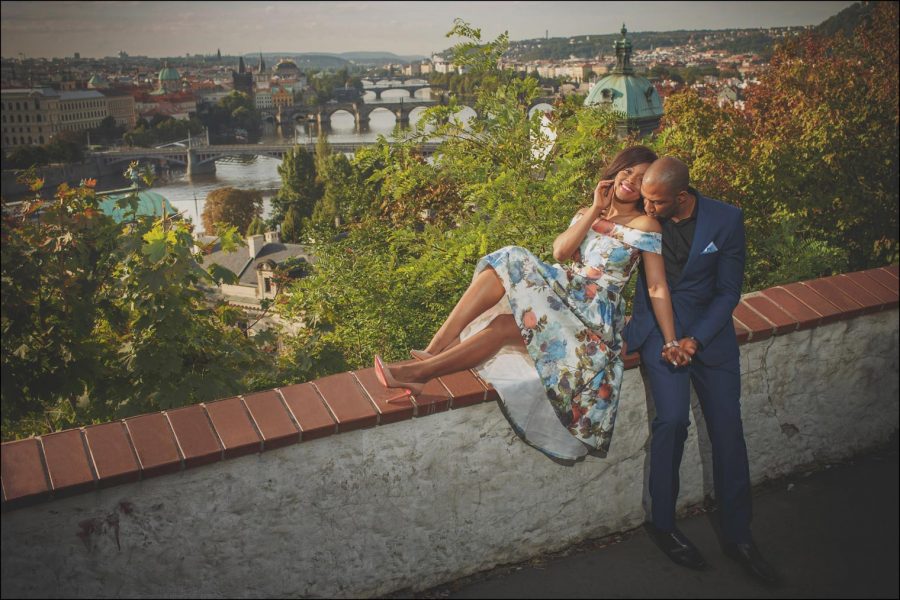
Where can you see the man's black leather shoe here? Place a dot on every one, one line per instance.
(749, 557)
(677, 547)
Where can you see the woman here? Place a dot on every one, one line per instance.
(521, 317)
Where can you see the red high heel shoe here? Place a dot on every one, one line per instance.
(387, 380)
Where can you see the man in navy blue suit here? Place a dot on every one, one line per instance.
(704, 253)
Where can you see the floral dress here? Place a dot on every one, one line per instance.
(571, 318)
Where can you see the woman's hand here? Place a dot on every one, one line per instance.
(676, 356)
(602, 196)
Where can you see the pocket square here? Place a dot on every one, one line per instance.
(710, 249)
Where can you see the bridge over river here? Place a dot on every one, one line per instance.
(202, 159)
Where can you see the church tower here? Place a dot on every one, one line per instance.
(242, 80)
(628, 94)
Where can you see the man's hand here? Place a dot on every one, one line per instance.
(676, 356)
(689, 346)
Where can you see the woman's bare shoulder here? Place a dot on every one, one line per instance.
(645, 223)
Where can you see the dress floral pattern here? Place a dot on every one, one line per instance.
(571, 318)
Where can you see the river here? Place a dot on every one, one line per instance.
(188, 194)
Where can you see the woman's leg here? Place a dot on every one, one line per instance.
(469, 353)
(484, 292)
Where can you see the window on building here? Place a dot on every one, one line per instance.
(268, 284)
(27, 119)
(41, 139)
(18, 107)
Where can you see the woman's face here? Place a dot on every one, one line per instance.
(628, 182)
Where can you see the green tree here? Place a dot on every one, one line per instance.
(233, 207)
(290, 226)
(298, 185)
(257, 227)
(104, 320)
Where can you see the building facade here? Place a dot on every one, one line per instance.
(28, 116)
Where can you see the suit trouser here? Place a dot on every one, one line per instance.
(719, 391)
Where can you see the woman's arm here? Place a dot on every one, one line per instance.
(566, 243)
(658, 289)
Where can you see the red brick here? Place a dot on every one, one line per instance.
(434, 398)
(827, 288)
(632, 360)
(379, 395)
(347, 401)
(805, 316)
(67, 462)
(272, 419)
(743, 336)
(234, 428)
(309, 411)
(883, 295)
(154, 443)
(816, 301)
(112, 454)
(884, 278)
(465, 389)
(858, 291)
(758, 327)
(23, 476)
(784, 322)
(194, 435)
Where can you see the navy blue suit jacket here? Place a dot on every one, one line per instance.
(709, 289)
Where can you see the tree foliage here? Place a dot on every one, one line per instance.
(299, 187)
(813, 158)
(233, 207)
(103, 320)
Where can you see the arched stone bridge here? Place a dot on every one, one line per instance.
(360, 110)
(203, 159)
(411, 89)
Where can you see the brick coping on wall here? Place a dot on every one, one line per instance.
(80, 460)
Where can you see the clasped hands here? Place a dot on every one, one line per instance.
(682, 354)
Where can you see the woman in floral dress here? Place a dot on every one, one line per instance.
(548, 337)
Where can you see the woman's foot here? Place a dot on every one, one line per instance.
(387, 380)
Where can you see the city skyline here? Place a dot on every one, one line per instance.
(99, 29)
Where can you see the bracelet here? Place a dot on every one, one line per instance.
(672, 344)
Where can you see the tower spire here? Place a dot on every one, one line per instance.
(623, 54)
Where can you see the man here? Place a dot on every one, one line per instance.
(704, 253)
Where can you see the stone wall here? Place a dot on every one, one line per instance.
(426, 500)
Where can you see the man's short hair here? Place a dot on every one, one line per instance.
(669, 172)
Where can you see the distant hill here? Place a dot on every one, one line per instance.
(847, 20)
(323, 60)
(379, 57)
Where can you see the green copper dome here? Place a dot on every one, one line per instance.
(169, 74)
(625, 92)
(632, 95)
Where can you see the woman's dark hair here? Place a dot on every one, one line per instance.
(629, 157)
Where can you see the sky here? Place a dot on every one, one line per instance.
(97, 29)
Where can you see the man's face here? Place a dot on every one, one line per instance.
(659, 201)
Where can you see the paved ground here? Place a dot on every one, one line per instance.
(831, 533)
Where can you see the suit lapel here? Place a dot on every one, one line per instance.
(701, 233)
